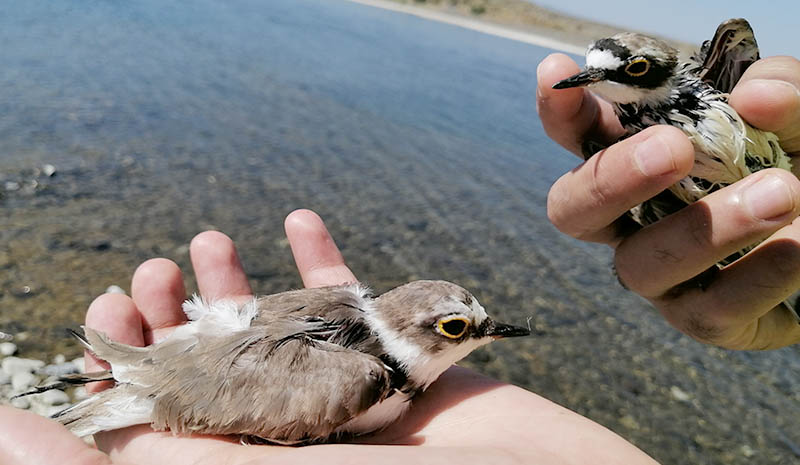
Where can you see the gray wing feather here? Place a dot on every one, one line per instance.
(272, 380)
(332, 303)
(287, 389)
(726, 57)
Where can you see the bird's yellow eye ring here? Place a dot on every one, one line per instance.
(638, 67)
(453, 327)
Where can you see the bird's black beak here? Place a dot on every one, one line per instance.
(500, 330)
(581, 79)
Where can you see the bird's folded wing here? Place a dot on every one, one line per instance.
(286, 388)
(726, 57)
(123, 355)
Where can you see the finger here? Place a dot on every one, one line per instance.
(158, 291)
(27, 438)
(117, 317)
(570, 116)
(741, 309)
(768, 97)
(318, 259)
(217, 267)
(585, 201)
(683, 245)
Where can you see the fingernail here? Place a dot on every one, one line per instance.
(654, 157)
(768, 198)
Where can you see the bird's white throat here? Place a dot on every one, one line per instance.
(615, 92)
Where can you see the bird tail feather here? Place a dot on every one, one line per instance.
(66, 381)
(114, 408)
(111, 351)
(78, 418)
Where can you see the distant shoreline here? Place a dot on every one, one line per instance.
(494, 29)
(515, 20)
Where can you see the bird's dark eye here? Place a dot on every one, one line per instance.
(453, 327)
(638, 67)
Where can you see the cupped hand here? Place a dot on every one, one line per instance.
(463, 417)
(671, 262)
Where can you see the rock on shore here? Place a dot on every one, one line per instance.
(19, 375)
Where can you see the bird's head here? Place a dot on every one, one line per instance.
(627, 68)
(427, 326)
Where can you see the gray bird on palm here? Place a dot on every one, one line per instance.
(296, 367)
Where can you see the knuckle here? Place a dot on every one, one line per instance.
(702, 328)
(701, 323)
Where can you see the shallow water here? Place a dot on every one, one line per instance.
(417, 142)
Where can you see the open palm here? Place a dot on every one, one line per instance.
(464, 417)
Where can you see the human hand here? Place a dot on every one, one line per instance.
(463, 417)
(738, 307)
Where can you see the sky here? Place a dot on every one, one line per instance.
(776, 23)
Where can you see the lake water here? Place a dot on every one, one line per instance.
(417, 142)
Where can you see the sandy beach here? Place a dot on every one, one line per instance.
(515, 20)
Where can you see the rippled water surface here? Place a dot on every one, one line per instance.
(416, 141)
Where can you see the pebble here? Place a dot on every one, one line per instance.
(629, 422)
(48, 170)
(8, 348)
(14, 365)
(22, 381)
(60, 369)
(21, 402)
(114, 289)
(6, 336)
(51, 410)
(80, 393)
(18, 375)
(54, 397)
(679, 394)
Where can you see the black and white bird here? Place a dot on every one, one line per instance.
(647, 85)
(290, 368)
